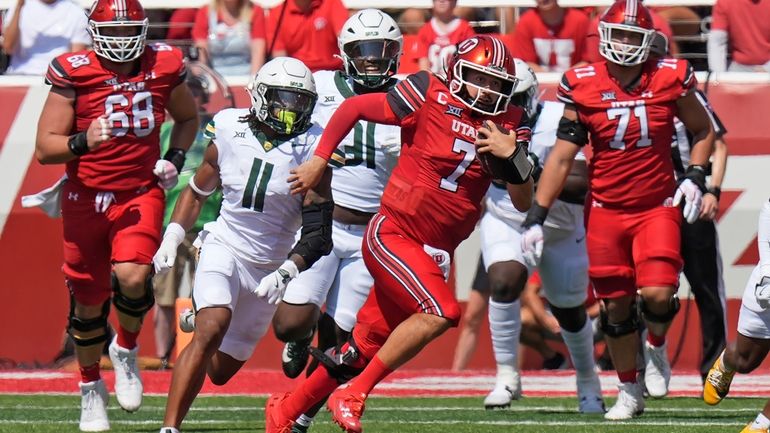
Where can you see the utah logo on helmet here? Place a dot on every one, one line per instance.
(118, 29)
(625, 33)
(489, 56)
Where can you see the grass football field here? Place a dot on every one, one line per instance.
(59, 413)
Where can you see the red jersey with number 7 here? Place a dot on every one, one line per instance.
(134, 105)
(434, 194)
(630, 130)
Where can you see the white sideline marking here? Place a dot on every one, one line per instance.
(413, 422)
(479, 408)
(47, 375)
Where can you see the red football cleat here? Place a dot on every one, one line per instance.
(275, 421)
(346, 409)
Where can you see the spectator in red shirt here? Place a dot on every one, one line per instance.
(307, 31)
(410, 22)
(744, 25)
(439, 37)
(180, 24)
(660, 24)
(230, 35)
(551, 38)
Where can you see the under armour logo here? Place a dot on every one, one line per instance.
(647, 94)
(73, 196)
(329, 98)
(241, 134)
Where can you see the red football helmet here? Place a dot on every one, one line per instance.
(625, 33)
(489, 57)
(117, 16)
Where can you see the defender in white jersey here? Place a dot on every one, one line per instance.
(753, 340)
(370, 43)
(243, 269)
(563, 266)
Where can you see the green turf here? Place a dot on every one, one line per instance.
(46, 413)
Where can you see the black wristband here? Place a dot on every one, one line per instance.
(78, 144)
(715, 191)
(176, 156)
(697, 174)
(536, 215)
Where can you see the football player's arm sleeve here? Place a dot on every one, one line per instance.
(57, 75)
(372, 107)
(316, 234)
(408, 96)
(716, 122)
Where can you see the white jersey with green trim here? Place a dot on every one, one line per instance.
(362, 168)
(561, 215)
(259, 217)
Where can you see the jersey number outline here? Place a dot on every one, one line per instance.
(258, 178)
(623, 114)
(468, 150)
(363, 146)
(139, 113)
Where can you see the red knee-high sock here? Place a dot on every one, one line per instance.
(89, 373)
(628, 376)
(656, 340)
(126, 338)
(314, 389)
(370, 377)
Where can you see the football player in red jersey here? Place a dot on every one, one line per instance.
(430, 204)
(627, 105)
(102, 119)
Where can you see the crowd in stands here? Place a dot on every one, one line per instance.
(236, 36)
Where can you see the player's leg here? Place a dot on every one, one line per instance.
(703, 269)
(214, 295)
(347, 295)
(564, 271)
(656, 248)
(135, 236)
(611, 270)
(87, 271)
(475, 309)
(295, 319)
(749, 350)
(500, 248)
(376, 319)
(761, 423)
(250, 320)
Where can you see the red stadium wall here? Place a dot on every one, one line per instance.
(35, 301)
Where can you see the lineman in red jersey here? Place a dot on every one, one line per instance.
(430, 204)
(627, 105)
(102, 119)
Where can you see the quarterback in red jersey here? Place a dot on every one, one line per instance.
(102, 119)
(627, 105)
(430, 204)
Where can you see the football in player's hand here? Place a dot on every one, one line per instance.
(490, 164)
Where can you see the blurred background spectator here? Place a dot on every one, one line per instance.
(440, 35)
(180, 24)
(740, 28)
(230, 36)
(410, 21)
(551, 38)
(475, 311)
(36, 31)
(307, 30)
(167, 286)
